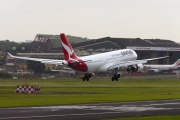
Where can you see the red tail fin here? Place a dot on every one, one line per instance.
(177, 63)
(68, 51)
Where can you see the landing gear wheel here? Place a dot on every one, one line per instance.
(112, 78)
(87, 79)
(116, 78)
(118, 75)
(89, 75)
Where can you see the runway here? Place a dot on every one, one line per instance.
(93, 111)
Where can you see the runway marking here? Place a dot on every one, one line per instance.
(105, 108)
(46, 116)
(134, 102)
(160, 104)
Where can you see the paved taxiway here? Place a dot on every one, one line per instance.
(93, 111)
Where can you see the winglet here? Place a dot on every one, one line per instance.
(10, 55)
(170, 55)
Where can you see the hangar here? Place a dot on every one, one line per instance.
(51, 43)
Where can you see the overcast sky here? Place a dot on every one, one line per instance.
(21, 20)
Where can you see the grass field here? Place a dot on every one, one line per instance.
(177, 117)
(94, 82)
(74, 91)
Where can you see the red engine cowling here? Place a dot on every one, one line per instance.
(137, 68)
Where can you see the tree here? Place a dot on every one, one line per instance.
(3, 59)
(5, 75)
(36, 66)
(25, 45)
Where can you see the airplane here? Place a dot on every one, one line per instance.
(163, 68)
(101, 62)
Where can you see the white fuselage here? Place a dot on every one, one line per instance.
(160, 67)
(100, 62)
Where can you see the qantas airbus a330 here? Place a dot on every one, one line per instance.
(98, 62)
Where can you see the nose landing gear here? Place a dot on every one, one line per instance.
(116, 75)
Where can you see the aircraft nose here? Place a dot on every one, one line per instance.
(135, 54)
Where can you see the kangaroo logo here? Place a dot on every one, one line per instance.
(70, 52)
(178, 63)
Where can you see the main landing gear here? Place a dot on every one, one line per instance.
(116, 75)
(86, 77)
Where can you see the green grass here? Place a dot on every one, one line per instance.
(177, 117)
(94, 82)
(74, 91)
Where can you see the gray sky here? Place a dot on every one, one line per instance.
(21, 20)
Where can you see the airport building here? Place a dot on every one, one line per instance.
(51, 43)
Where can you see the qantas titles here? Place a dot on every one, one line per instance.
(123, 53)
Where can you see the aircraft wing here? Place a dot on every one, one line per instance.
(134, 62)
(45, 61)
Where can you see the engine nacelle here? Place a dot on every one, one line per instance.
(136, 68)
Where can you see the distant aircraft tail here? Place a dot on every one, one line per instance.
(177, 63)
(68, 51)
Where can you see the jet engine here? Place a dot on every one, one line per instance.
(136, 68)
(72, 63)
